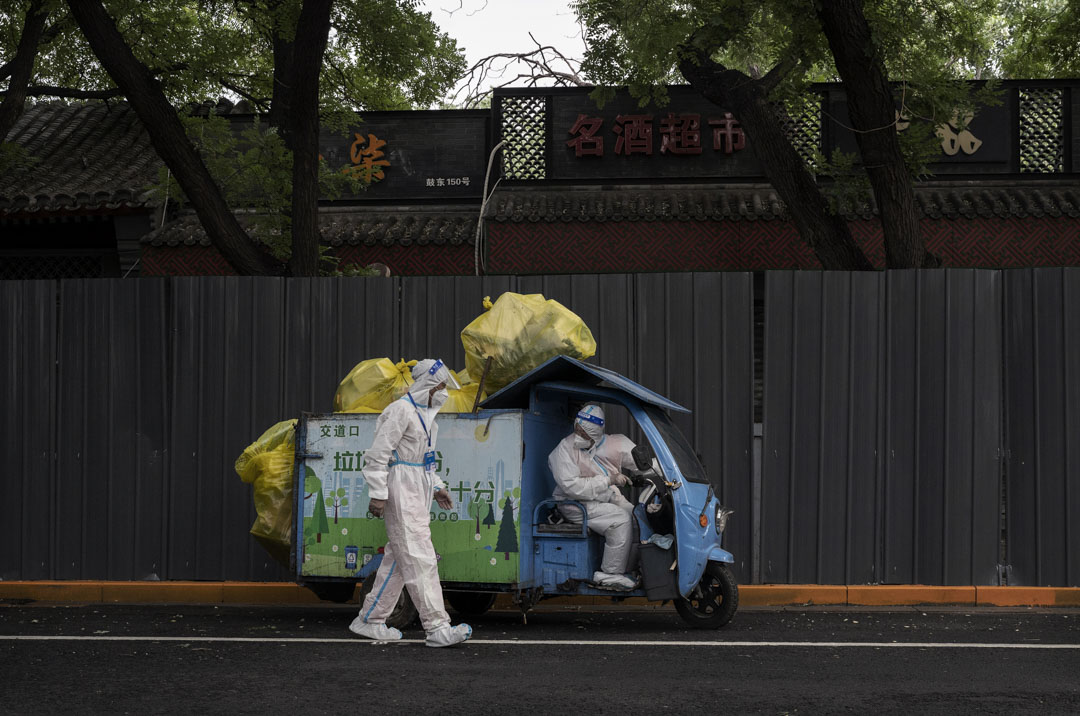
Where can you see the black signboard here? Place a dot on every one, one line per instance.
(982, 144)
(689, 137)
(428, 155)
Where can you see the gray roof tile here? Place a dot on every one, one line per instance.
(84, 156)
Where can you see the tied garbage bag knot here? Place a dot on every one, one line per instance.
(519, 333)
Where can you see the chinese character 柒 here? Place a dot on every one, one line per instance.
(680, 134)
(635, 134)
(586, 143)
(367, 158)
(727, 134)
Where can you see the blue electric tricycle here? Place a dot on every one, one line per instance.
(504, 533)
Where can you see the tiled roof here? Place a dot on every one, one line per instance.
(752, 202)
(402, 226)
(83, 156)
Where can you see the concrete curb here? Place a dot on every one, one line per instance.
(758, 595)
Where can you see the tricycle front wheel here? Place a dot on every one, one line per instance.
(713, 601)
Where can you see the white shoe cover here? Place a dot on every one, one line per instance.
(614, 581)
(448, 635)
(378, 632)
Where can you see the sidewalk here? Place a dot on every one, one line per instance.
(750, 595)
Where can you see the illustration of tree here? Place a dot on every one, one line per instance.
(339, 500)
(312, 483)
(319, 517)
(476, 508)
(508, 541)
(490, 519)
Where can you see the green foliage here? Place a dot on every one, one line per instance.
(15, 158)
(381, 54)
(251, 165)
(930, 49)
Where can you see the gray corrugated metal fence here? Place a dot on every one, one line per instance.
(918, 426)
(124, 403)
(882, 427)
(1042, 408)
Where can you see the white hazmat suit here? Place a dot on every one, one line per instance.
(405, 438)
(589, 469)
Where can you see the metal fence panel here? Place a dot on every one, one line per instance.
(148, 390)
(821, 477)
(1043, 413)
(27, 413)
(943, 434)
(881, 427)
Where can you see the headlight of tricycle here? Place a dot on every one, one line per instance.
(722, 514)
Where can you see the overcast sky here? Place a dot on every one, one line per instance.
(487, 27)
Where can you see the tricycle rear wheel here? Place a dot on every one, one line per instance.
(470, 604)
(714, 600)
(404, 613)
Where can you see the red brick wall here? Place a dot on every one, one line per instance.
(604, 247)
(751, 245)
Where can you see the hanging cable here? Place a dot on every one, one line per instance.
(483, 204)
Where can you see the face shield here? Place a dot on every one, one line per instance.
(590, 419)
(429, 373)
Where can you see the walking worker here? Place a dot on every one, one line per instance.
(401, 478)
(587, 466)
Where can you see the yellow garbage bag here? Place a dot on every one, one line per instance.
(461, 400)
(267, 464)
(372, 385)
(521, 332)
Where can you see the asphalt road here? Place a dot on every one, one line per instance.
(297, 660)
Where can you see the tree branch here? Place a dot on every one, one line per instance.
(261, 104)
(778, 73)
(22, 67)
(47, 36)
(543, 63)
(170, 140)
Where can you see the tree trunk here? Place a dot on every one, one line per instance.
(827, 233)
(872, 109)
(22, 67)
(170, 141)
(302, 137)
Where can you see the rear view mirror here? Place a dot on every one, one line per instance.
(643, 456)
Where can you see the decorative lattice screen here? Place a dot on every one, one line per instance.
(1042, 130)
(523, 125)
(802, 124)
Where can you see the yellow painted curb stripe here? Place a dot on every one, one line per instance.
(186, 592)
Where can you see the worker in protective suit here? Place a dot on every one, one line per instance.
(587, 466)
(400, 473)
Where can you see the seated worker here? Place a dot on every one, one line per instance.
(587, 466)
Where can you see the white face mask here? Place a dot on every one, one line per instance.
(582, 443)
(439, 398)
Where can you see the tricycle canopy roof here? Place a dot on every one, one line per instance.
(568, 370)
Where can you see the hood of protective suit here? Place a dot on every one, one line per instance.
(591, 420)
(426, 375)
